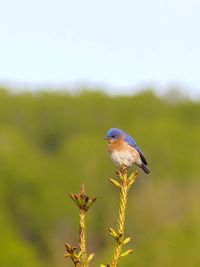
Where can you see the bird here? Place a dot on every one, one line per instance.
(124, 151)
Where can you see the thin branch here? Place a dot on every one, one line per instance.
(84, 203)
(119, 235)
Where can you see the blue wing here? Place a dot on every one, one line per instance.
(132, 142)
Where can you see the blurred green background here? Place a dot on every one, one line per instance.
(52, 142)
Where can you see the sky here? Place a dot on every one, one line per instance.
(118, 45)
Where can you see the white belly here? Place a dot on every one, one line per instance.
(121, 158)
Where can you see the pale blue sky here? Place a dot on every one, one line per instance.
(120, 44)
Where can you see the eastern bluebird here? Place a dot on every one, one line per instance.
(124, 151)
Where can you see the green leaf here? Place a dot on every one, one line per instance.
(113, 233)
(133, 176)
(126, 253)
(119, 174)
(91, 256)
(127, 240)
(113, 181)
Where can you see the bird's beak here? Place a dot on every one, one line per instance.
(106, 138)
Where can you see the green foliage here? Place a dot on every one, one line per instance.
(52, 142)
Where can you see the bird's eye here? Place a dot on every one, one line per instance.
(113, 136)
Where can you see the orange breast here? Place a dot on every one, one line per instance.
(117, 145)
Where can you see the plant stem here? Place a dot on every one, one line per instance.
(122, 209)
(84, 203)
(121, 220)
(82, 237)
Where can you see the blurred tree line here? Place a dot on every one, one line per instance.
(51, 142)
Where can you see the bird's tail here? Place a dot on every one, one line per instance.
(145, 169)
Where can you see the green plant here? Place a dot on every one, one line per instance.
(84, 203)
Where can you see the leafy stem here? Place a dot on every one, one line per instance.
(81, 259)
(124, 184)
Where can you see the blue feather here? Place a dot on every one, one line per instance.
(132, 143)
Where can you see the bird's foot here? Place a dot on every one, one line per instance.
(123, 170)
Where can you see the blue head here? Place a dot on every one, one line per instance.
(114, 134)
